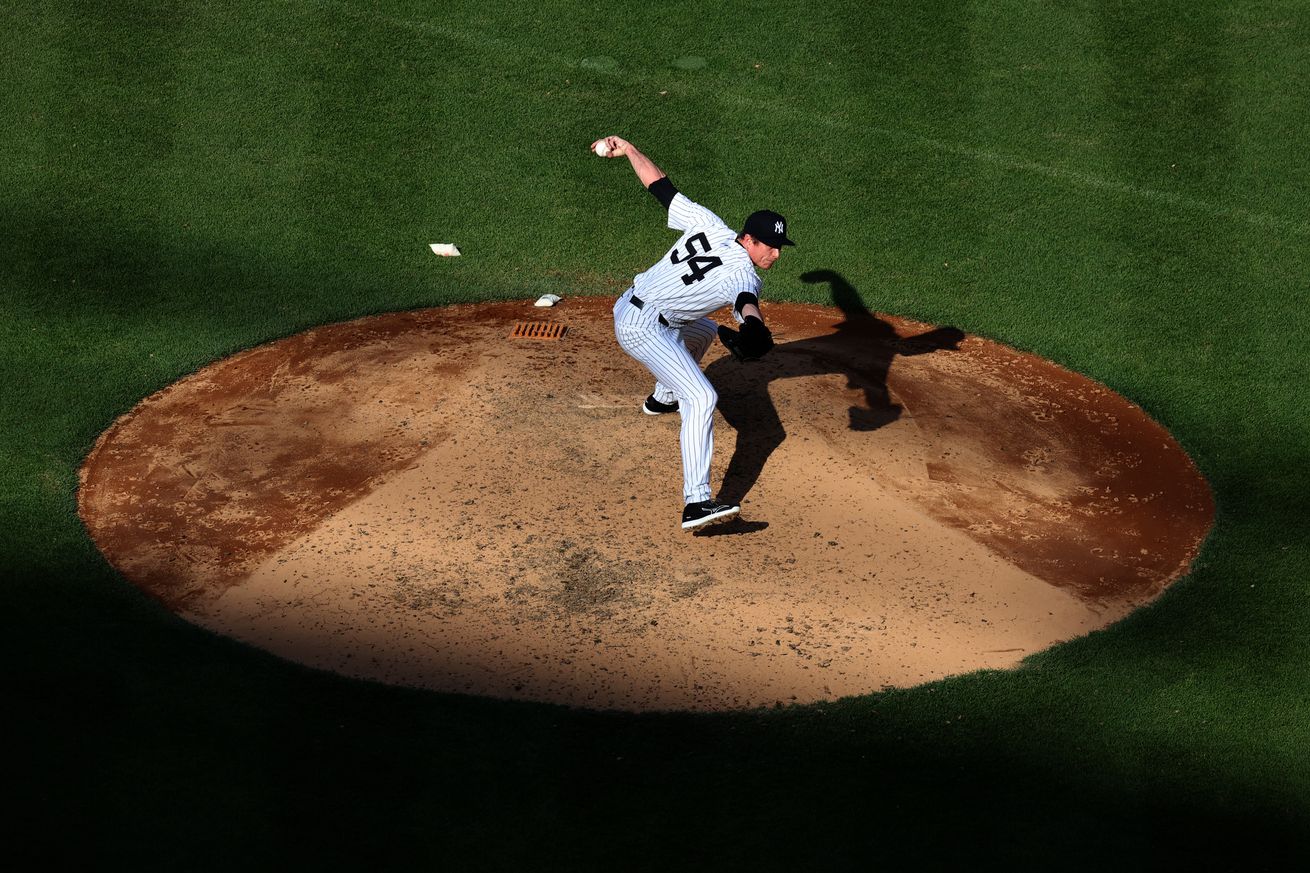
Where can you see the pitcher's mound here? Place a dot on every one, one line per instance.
(421, 498)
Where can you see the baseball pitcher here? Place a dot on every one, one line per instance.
(661, 320)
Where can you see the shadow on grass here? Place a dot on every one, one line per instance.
(262, 761)
(862, 349)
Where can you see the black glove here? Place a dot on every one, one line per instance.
(751, 344)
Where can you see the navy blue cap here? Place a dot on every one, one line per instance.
(768, 227)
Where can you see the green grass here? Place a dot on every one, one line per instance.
(1117, 186)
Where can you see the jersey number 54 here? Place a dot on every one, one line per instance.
(700, 261)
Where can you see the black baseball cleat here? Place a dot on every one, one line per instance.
(654, 407)
(706, 512)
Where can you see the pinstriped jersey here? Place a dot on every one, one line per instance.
(704, 271)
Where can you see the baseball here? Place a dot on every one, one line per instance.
(601, 148)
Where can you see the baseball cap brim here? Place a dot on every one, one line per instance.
(776, 240)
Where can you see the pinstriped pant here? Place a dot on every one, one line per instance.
(673, 357)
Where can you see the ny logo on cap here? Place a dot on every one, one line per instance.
(778, 227)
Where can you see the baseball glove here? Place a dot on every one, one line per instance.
(751, 343)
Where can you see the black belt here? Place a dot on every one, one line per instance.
(637, 302)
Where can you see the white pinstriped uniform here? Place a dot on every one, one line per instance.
(704, 271)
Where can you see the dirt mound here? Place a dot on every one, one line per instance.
(420, 499)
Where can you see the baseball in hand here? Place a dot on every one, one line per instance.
(601, 148)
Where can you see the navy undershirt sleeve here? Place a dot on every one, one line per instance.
(663, 191)
(744, 298)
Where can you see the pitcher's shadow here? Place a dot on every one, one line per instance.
(861, 348)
